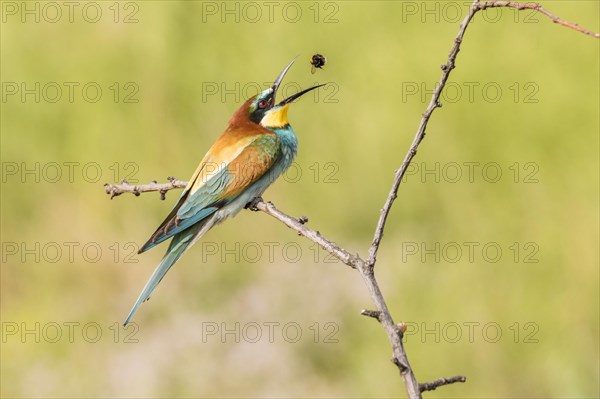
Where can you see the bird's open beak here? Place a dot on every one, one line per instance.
(280, 77)
(277, 83)
(297, 95)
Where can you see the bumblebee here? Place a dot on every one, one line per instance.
(317, 61)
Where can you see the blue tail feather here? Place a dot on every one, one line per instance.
(177, 247)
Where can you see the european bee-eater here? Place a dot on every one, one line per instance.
(257, 146)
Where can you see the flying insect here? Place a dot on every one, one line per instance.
(317, 61)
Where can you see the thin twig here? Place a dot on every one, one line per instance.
(431, 386)
(537, 7)
(115, 190)
(376, 314)
(354, 261)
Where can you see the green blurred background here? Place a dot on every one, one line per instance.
(523, 102)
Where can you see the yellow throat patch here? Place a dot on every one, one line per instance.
(277, 118)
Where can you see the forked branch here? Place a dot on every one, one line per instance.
(366, 267)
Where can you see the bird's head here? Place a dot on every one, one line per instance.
(263, 109)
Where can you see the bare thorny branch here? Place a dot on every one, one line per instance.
(366, 267)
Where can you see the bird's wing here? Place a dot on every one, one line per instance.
(230, 166)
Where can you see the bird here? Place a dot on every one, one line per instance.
(257, 146)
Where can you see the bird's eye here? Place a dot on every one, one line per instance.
(262, 104)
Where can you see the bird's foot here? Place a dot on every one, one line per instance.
(252, 205)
